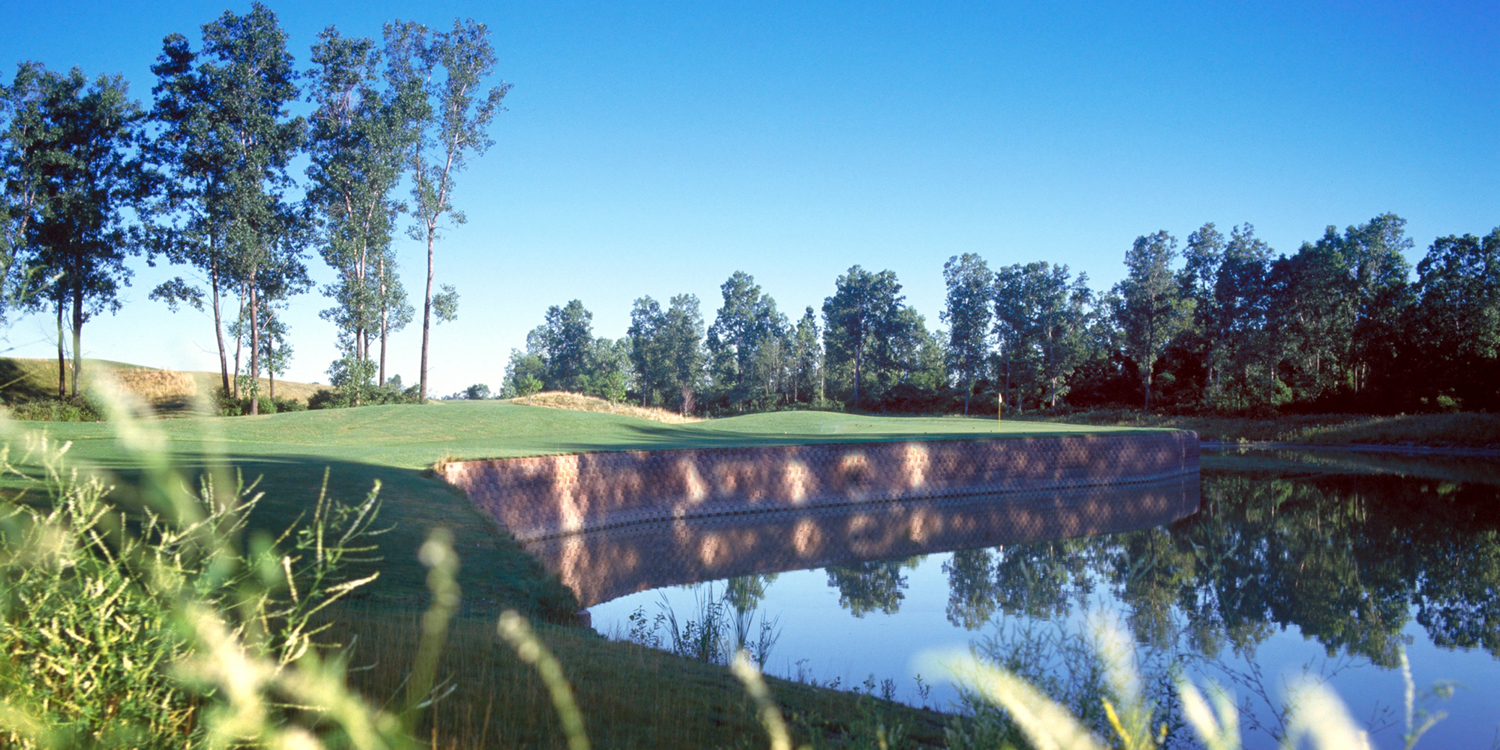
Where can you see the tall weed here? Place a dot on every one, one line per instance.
(150, 626)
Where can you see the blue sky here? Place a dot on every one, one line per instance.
(654, 149)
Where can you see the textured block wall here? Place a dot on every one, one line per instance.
(610, 563)
(547, 496)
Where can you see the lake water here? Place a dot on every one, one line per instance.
(1279, 566)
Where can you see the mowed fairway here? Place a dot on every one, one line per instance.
(414, 437)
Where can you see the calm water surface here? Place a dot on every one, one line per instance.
(1327, 564)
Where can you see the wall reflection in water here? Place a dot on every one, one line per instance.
(609, 563)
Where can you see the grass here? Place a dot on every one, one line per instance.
(167, 392)
(409, 436)
(630, 696)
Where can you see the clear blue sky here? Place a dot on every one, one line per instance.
(655, 149)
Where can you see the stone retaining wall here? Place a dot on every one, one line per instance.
(609, 563)
(547, 496)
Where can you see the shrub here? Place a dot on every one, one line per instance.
(56, 410)
(147, 627)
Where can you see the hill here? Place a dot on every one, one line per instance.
(170, 393)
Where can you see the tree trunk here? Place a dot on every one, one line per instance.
(77, 335)
(426, 315)
(384, 321)
(254, 348)
(213, 275)
(239, 341)
(857, 363)
(62, 360)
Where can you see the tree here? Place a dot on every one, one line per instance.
(1152, 307)
(1339, 303)
(1061, 321)
(359, 140)
(1236, 319)
(1455, 326)
(682, 337)
(746, 323)
(666, 349)
(864, 308)
(968, 317)
(22, 164)
(226, 145)
(807, 358)
(564, 342)
(647, 353)
(443, 71)
(1013, 330)
(73, 169)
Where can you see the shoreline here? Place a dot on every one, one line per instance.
(1398, 449)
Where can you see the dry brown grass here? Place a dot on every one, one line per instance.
(167, 392)
(580, 402)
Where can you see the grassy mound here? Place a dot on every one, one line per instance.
(580, 402)
(168, 392)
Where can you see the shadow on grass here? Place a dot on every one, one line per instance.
(496, 573)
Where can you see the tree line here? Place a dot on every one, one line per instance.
(1220, 324)
(202, 178)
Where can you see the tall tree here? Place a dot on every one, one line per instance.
(1236, 320)
(807, 358)
(1152, 306)
(864, 308)
(968, 317)
(564, 343)
(666, 350)
(1455, 327)
(446, 70)
(746, 323)
(78, 173)
(226, 146)
(359, 140)
(1061, 323)
(23, 159)
(646, 350)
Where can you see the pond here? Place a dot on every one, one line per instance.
(1280, 566)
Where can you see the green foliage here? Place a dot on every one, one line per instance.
(666, 351)
(353, 382)
(82, 409)
(439, 75)
(1152, 308)
(359, 139)
(71, 174)
(862, 323)
(149, 627)
(968, 316)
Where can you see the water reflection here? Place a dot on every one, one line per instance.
(609, 563)
(1324, 564)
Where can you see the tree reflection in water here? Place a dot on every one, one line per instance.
(1360, 557)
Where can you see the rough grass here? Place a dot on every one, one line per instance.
(580, 402)
(630, 696)
(168, 393)
(1468, 430)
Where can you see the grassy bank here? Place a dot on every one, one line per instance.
(168, 392)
